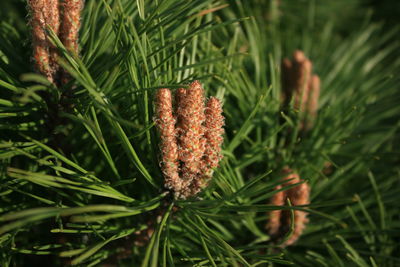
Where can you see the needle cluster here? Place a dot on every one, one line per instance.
(190, 138)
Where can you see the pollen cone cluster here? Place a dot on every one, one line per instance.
(190, 138)
(300, 84)
(64, 19)
(280, 220)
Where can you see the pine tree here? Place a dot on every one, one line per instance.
(246, 166)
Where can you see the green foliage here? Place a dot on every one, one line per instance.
(80, 178)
